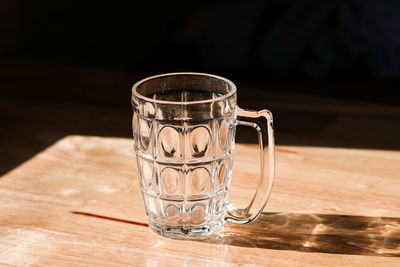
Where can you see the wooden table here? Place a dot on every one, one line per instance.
(78, 203)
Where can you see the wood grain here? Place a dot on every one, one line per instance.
(78, 203)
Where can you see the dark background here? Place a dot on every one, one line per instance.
(304, 44)
(328, 70)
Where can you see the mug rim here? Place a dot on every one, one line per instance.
(136, 94)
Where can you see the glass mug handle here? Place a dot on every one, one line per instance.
(263, 123)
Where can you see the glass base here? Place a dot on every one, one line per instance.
(186, 232)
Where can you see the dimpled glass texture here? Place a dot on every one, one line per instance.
(184, 128)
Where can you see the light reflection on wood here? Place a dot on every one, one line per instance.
(79, 202)
(343, 234)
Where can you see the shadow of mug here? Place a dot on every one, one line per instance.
(307, 232)
(343, 234)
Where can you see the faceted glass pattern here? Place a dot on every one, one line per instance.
(184, 174)
(184, 158)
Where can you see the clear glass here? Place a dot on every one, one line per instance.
(184, 128)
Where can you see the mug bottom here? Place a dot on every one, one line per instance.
(186, 232)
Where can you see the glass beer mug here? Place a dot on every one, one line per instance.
(184, 128)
